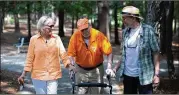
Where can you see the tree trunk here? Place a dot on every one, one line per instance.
(116, 25)
(166, 9)
(150, 13)
(34, 14)
(107, 27)
(2, 13)
(61, 23)
(153, 12)
(16, 20)
(72, 25)
(103, 18)
(29, 20)
(76, 19)
(175, 27)
(169, 31)
(40, 10)
(163, 30)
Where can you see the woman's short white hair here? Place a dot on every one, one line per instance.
(41, 22)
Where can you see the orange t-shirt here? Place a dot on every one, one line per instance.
(92, 55)
(43, 59)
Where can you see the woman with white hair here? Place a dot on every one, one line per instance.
(43, 60)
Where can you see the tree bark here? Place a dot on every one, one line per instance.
(2, 14)
(61, 23)
(40, 10)
(29, 20)
(153, 12)
(76, 19)
(162, 12)
(163, 29)
(103, 18)
(116, 25)
(16, 20)
(175, 27)
(72, 25)
(169, 33)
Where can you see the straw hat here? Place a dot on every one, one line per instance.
(131, 11)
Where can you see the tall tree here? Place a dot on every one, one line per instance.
(40, 9)
(116, 40)
(2, 14)
(60, 8)
(16, 20)
(29, 20)
(61, 22)
(72, 25)
(103, 18)
(16, 17)
(160, 13)
(169, 5)
(167, 12)
(153, 9)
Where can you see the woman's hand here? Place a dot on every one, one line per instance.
(21, 79)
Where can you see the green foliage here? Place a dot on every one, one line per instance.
(20, 7)
(120, 4)
(14, 7)
(81, 7)
(176, 10)
(44, 7)
(11, 20)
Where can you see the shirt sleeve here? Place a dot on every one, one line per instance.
(71, 46)
(154, 44)
(105, 45)
(30, 55)
(63, 53)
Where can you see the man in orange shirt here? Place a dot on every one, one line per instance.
(86, 48)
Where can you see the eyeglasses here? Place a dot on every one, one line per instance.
(51, 26)
(48, 27)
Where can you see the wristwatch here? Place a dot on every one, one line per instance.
(157, 75)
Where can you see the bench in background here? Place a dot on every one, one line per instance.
(22, 41)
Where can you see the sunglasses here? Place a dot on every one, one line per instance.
(51, 26)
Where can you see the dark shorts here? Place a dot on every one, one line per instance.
(132, 86)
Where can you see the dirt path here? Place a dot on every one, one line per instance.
(9, 83)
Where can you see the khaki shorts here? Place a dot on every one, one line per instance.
(94, 76)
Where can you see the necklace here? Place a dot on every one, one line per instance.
(45, 40)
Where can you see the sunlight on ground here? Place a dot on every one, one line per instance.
(6, 88)
(175, 44)
(176, 62)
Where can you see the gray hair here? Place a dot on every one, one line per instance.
(41, 22)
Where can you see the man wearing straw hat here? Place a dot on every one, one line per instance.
(139, 64)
